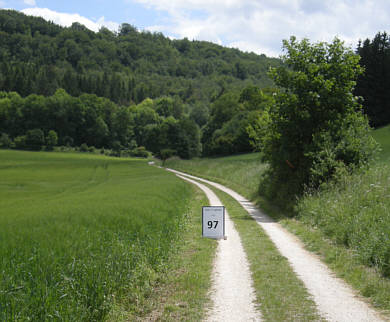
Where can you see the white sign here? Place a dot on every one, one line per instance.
(213, 222)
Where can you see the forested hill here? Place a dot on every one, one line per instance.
(128, 66)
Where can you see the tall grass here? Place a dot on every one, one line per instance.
(382, 136)
(355, 214)
(79, 232)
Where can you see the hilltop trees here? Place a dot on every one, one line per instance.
(127, 66)
(316, 127)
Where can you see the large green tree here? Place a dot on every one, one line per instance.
(316, 128)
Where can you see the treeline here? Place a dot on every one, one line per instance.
(165, 123)
(374, 84)
(126, 66)
(89, 120)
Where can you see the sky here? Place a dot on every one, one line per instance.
(250, 25)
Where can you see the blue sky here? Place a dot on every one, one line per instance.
(250, 25)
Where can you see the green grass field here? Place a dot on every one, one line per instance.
(382, 136)
(240, 172)
(81, 234)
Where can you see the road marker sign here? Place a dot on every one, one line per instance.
(213, 222)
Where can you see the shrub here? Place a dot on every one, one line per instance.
(20, 142)
(35, 139)
(5, 141)
(166, 154)
(83, 147)
(51, 140)
(140, 152)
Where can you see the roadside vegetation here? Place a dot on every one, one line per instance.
(64, 217)
(346, 223)
(83, 236)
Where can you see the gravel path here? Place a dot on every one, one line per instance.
(336, 301)
(232, 292)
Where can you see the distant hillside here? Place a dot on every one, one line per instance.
(37, 56)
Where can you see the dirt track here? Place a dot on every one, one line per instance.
(336, 301)
(232, 292)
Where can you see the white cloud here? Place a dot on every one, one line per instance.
(66, 19)
(30, 2)
(260, 26)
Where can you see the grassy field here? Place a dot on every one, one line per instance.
(85, 237)
(347, 224)
(240, 172)
(382, 136)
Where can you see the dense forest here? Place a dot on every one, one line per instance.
(88, 87)
(128, 66)
(132, 90)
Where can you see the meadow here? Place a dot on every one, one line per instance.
(82, 233)
(240, 172)
(347, 223)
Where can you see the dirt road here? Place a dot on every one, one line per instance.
(336, 301)
(232, 292)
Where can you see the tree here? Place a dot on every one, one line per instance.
(316, 128)
(5, 141)
(51, 140)
(165, 154)
(35, 139)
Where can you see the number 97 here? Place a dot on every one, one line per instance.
(212, 224)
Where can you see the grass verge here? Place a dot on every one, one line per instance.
(346, 264)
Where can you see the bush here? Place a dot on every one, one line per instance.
(20, 142)
(5, 141)
(51, 140)
(140, 152)
(165, 154)
(35, 139)
(83, 147)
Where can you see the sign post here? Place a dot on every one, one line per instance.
(213, 222)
